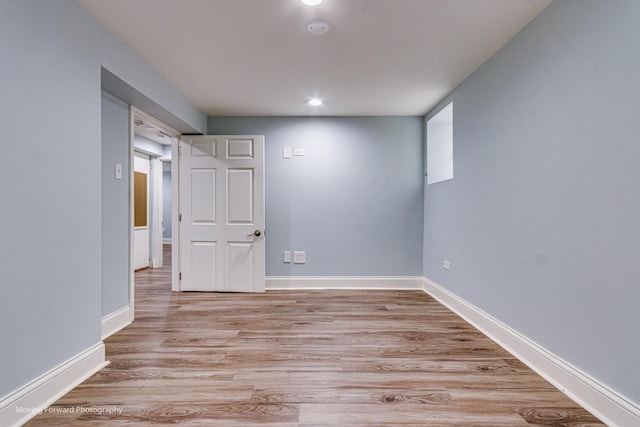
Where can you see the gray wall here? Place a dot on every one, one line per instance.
(50, 191)
(353, 202)
(51, 217)
(541, 221)
(147, 146)
(115, 205)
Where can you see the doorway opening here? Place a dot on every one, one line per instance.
(151, 195)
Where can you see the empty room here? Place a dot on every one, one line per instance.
(320, 213)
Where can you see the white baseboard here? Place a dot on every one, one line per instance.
(22, 405)
(112, 323)
(404, 283)
(602, 402)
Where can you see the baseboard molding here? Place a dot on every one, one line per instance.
(374, 282)
(24, 404)
(602, 402)
(112, 323)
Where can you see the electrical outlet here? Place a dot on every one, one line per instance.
(446, 265)
(287, 256)
(286, 152)
(298, 152)
(299, 257)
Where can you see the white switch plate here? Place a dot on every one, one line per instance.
(118, 172)
(299, 257)
(298, 152)
(446, 265)
(286, 152)
(287, 256)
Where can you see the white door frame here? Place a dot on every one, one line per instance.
(132, 136)
(156, 209)
(175, 209)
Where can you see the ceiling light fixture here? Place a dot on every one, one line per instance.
(315, 102)
(311, 2)
(318, 27)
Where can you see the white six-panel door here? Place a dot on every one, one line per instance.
(221, 213)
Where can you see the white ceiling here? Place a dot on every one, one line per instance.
(255, 57)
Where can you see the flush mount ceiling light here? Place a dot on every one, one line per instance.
(311, 2)
(317, 27)
(314, 102)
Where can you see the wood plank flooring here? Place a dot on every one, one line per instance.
(306, 358)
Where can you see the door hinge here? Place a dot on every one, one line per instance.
(179, 276)
(179, 217)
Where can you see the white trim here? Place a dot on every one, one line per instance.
(132, 262)
(156, 209)
(175, 209)
(113, 322)
(374, 282)
(610, 407)
(46, 389)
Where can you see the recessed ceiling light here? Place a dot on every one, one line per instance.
(311, 2)
(317, 27)
(315, 102)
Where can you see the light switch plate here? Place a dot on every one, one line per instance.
(118, 172)
(299, 257)
(446, 265)
(299, 152)
(286, 152)
(287, 256)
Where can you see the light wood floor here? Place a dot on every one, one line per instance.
(307, 358)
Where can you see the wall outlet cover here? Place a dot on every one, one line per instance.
(299, 257)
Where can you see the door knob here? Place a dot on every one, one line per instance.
(256, 233)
